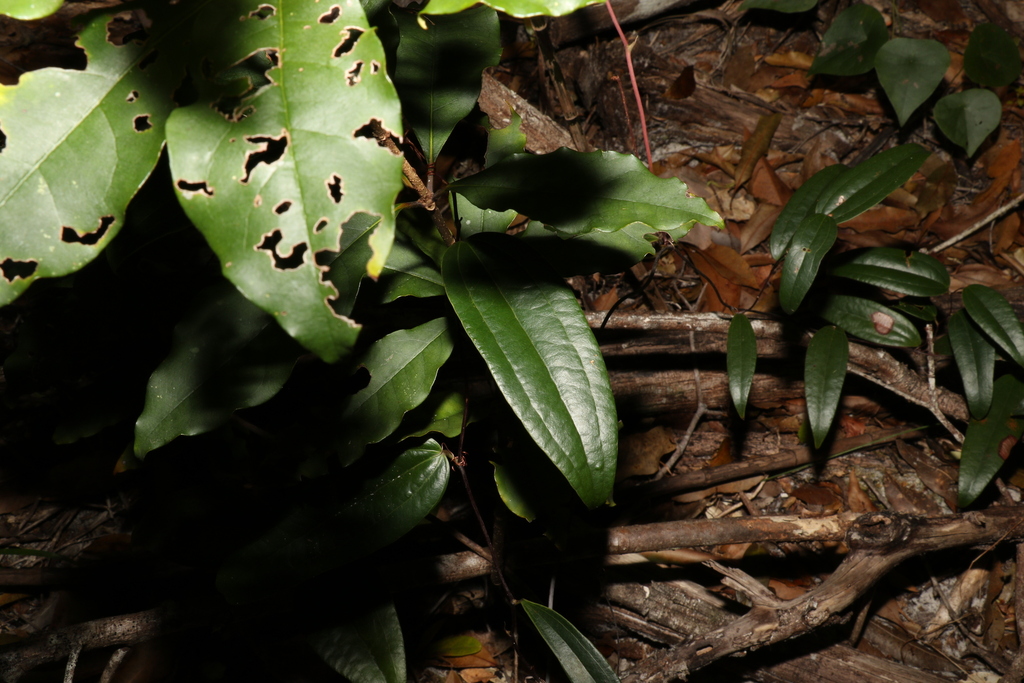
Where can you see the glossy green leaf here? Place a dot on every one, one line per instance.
(859, 188)
(870, 321)
(403, 366)
(740, 360)
(801, 205)
(824, 374)
(576, 193)
(988, 442)
(27, 10)
(787, 6)
(811, 241)
(996, 318)
(78, 145)
(909, 70)
(328, 530)
(227, 354)
(976, 360)
(441, 413)
(408, 272)
(536, 341)
(504, 142)
(578, 657)
(595, 252)
(925, 312)
(907, 272)
(511, 492)
(438, 69)
(473, 220)
(991, 57)
(513, 8)
(271, 176)
(968, 117)
(849, 45)
(366, 647)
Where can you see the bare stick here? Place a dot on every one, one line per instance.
(998, 213)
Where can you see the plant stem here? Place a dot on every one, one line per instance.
(632, 80)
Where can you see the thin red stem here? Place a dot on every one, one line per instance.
(632, 80)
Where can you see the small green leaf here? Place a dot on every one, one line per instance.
(579, 658)
(907, 272)
(408, 272)
(801, 205)
(787, 6)
(329, 530)
(976, 360)
(538, 346)
(440, 413)
(454, 646)
(988, 442)
(811, 241)
(968, 117)
(824, 374)
(513, 8)
(438, 68)
(576, 193)
(991, 57)
(26, 10)
(227, 354)
(504, 142)
(516, 499)
(403, 366)
(909, 70)
(366, 647)
(925, 312)
(473, 220)
(849, 45)
(740, 360)
(996, 318)
(859, 188)
(870, 321)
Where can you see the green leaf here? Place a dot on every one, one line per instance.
(473, 220)
(26, 10)
(576, 193)
(579, 658)
(907, 272)
(515, 497)
(925, 312)
(787, 6)
(329, 530)
(968, 117)
(366, 647)
(78, 145)
(811, 241)
(849, 45)
(408, 272)
(403, 366)
(859, 188)
(454, 646)
(441, 413)
(504, 142)
(270, 177)
(870, 321)
(740, 360)
(513, 8)
(976, 360)
(227, 354)
(801, 205)
(438, 69)
(824, 373)
(988, 442)
(909, 70)
(594, 252)
(991, 57)
(996, 318)
(538, 346)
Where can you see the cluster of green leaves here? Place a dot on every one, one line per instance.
(910, 69)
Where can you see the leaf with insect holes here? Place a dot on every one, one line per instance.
(988, 442)
(270, 176)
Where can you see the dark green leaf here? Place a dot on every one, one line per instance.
(740, 360)
(860, 188)
(801, 205)
(976, 360)
(536, 341)
(787, 6)
(403, 366)
(504, 142)
(811, 241)
(870, 321)
(824, 373)
(909, 70)
(988, 442)
(440, 413)
(577, 193)
(409, 272)
(579, 658)
(438, 69)
(849, 45)
(907, 272)
(227, 354)
(331, 530)
(925, 312)
(996, 318)
(968, 117)
(991, 57)
(366, 647)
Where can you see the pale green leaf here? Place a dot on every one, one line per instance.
(513, 8)
(472, 219)
(824, 374)
(366, 647)
(909, 70)
(579, 658)
(504, 142)
(26, 10)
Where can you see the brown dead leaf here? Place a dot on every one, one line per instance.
(1005, 233)
(730, 265)
(853, 103)
(604, 302)
(793, 80)
(740, 68)
(977, 274)
(787, 590)
(756, 146)
(683, 86)
(477, 675)
(884, 218)
(938, 187)
(908, 500)
(759, 227)
(874, 238)
(946, 12)
(1002, 159)
(856, 498)
(766, 185)
(825, 495)
(730, 488)
(640, 454)
(792, 59)
(680, 556)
